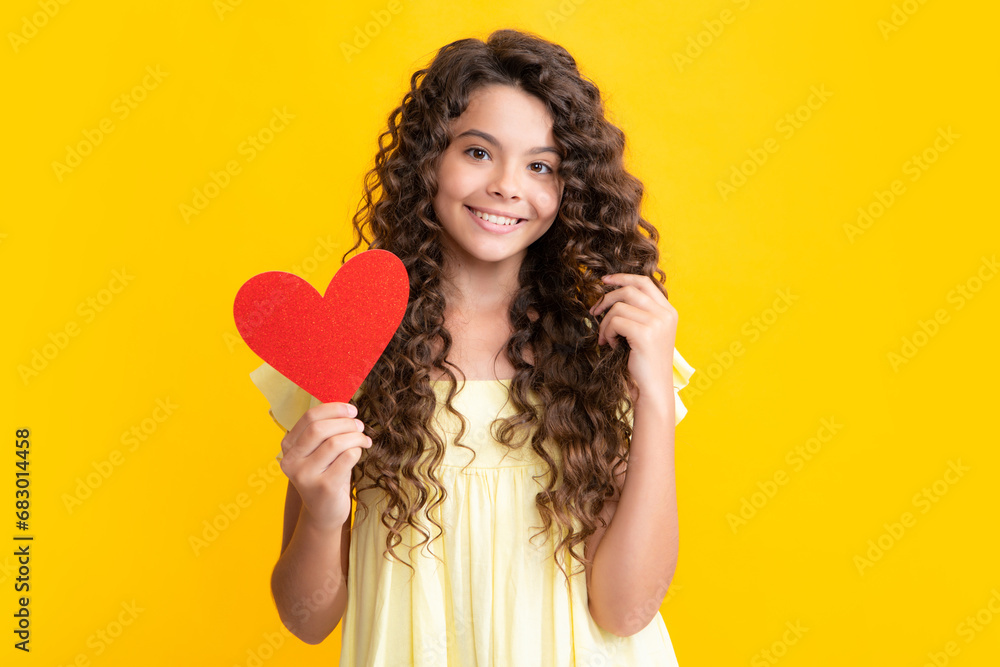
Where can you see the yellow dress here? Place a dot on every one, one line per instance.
(486, 596)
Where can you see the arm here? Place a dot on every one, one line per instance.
(309, 581)
(635, 557)
(636, 554)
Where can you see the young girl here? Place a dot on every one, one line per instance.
(525, 407)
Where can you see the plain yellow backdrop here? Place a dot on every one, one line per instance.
(824, 179)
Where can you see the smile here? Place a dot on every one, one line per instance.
(496, 219)
(493, 223)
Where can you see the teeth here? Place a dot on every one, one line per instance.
(495, 219)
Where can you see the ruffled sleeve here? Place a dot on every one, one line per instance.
(288, 401)
(682, 374)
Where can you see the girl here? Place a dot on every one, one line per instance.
(526, 404)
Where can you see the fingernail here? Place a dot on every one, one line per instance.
(361, 424)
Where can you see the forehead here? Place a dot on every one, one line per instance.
(508, 114)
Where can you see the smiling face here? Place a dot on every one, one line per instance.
(502, 161)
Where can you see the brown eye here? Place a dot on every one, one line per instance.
(543, 166)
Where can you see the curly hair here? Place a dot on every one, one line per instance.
(583, 390)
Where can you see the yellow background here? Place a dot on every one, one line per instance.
(169, 334)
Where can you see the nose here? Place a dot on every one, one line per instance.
(506, 181)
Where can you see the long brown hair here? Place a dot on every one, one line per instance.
(583, 389)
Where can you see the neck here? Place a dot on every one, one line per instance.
(481, 287)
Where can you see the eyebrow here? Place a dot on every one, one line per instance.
(485, 136)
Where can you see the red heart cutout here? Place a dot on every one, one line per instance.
(326, 344)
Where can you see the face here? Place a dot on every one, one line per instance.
(502, 162)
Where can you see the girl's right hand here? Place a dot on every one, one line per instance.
(319, 454)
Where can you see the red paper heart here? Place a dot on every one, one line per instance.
(326, 344)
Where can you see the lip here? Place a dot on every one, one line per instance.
(489, 226)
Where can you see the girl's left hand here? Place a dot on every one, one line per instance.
(638, 311)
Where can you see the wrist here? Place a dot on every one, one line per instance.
(658, 405)
(317, 527)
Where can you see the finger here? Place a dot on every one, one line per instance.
(642, 282)
(322, 411)
(314, 433)
(622, 318)
(331, 447)
(343, 463)
(627, 293)
(345, 460)
(331, 450)
(335, 462)
(309, 468)
(630, 330)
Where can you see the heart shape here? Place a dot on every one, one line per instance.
(326, 344)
